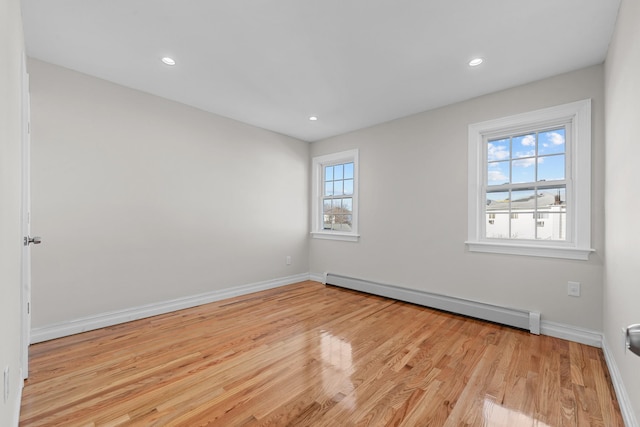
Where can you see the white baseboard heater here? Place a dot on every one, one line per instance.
(528, 320)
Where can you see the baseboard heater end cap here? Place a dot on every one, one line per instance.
(534, 322)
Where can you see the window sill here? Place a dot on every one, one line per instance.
(346, 237)
(530, 250)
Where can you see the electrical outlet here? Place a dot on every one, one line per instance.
(288, 260)
(6, 384)
(573, 289)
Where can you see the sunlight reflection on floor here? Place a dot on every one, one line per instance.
(496, 415)
(338, 354)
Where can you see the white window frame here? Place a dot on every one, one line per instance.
(577, 116)
(318, 164)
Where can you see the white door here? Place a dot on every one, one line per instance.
(26, 218)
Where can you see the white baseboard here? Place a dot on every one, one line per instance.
(624, 402)
(102, 320)
(318, 277)
(571, 333)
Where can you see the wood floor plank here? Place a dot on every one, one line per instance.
(313, 355)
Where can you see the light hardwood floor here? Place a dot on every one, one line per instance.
(315, 355)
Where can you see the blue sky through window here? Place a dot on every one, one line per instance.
(530, 157)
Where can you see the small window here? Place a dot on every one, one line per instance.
(530, 183)
(335, 196)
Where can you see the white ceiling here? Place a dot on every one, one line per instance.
(352, 63)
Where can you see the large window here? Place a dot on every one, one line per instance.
(529, 183)
(526, 182)
(335, 196)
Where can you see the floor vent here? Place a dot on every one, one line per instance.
(522, 319)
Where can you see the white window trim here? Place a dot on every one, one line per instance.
(578, 244)
(318, 165)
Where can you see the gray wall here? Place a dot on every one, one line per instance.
(141, 200)
(622, 286)
(11, 50)
(413, 209)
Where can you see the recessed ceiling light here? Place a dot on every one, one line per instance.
(313, 118)
(475, 62)
(168, 61)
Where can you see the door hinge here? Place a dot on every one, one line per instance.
(36, 240)
(28, 308)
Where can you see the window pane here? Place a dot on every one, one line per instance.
(347, 205)
(337, 222)
(497, 226)
(342, 223)
(498, 173)
(553, 227)
(348, 171)
(523, 170)
(523, 226)
(551, 142)
(348, 186)
(328, 188)
(336, 205)
(328, 173)
(337, 188)
(523, 200)
(498, 150)
(551, 168)
(552, 199)
(326, 205)
(328, 220)
(524, 146)
(338, 171)
(498, 201)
